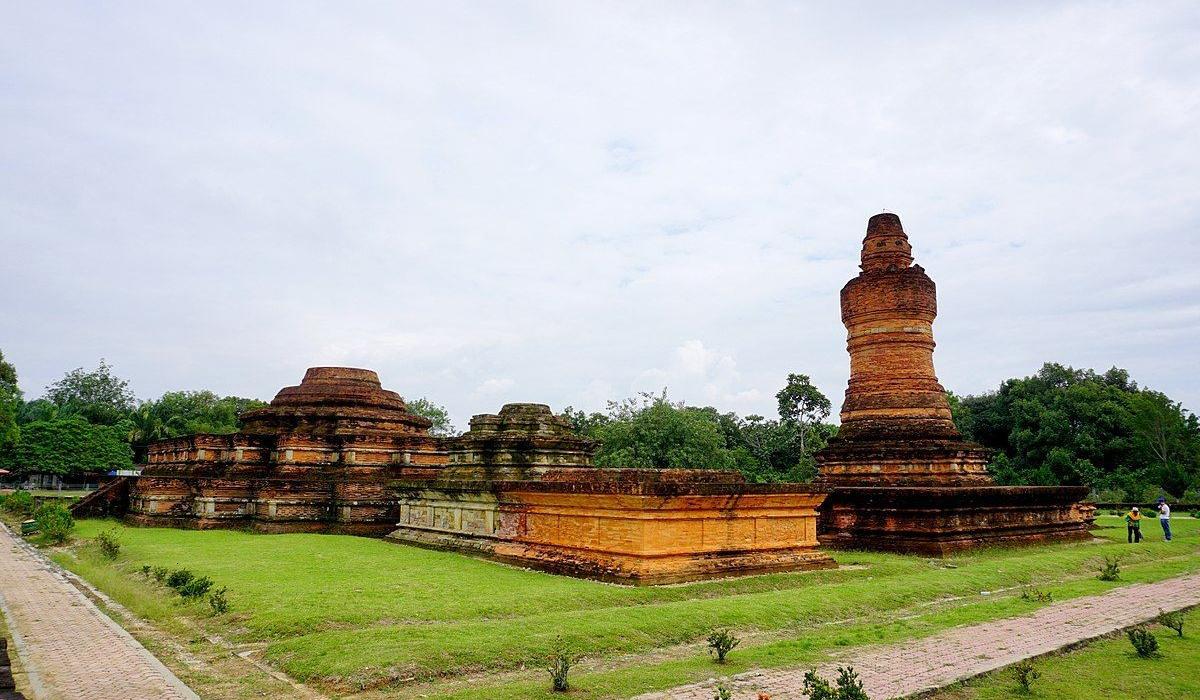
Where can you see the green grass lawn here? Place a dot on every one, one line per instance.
(1104, 669)
(351, 614)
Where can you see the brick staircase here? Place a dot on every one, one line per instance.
(110, 500)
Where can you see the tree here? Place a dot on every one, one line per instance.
(10, 405)
(69, 446)
(98, 396)
(1163, 429)
(582, 422)
(442, 427)
(178, 413)
(651, 432)
(803, 404)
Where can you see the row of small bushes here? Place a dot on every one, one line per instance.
(189, 586)
(847, 686)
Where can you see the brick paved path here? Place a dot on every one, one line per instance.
(71, 650)
(901, 670)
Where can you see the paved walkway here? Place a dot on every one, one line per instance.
(901, 670)
(71, 650)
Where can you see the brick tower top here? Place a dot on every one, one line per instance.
(896, 421)
(335, 401)
(886, 244)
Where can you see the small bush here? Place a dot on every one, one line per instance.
(1026, 674)
(1171, 620)
(1111, 571)
(723, 692)
(160, 573)
(849, 687)
(196, 587)
(54, 522)
(179, 578)
(109, 543)
(1143, 642)
(1037, 595)
(19, 503)
(560, 664)
(218, 602)
(720, 643)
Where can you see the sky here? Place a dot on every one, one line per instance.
(571, 202)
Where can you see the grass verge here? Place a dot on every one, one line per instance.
(352, 614)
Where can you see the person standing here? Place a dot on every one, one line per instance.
(1133, 522)
(1164, 518)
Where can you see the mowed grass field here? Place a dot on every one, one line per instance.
(355, 616)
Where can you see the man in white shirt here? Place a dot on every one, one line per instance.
(1164, 518)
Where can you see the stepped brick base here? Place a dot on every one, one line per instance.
(938, 521)
(620, 525)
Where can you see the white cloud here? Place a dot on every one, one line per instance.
(495, 386)
(569, 197)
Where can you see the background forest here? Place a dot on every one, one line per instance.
(1059, 426)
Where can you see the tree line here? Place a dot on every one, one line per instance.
(90, 421)
(652, 432)
(1061, 426)
(1076, 426)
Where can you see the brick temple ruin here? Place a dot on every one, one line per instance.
(902, 477)
(338, 453)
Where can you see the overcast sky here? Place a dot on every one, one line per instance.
(569, 202)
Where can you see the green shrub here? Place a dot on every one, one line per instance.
(179, 578)
(722, 692)
(1026, 674)
(54, 522)
(849, 687)
(560, 664)
(109, 543)
(1111, 571)
(1143, 642)
(218, 602)
(720, 643)
(160, 573)
(19, 503)
(1172, 620)
(1037, 595)
(196, 587)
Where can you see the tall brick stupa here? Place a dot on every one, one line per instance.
(901, 476)
(896, 424)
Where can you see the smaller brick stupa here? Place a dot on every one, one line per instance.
(904, 479)
(318, 458)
